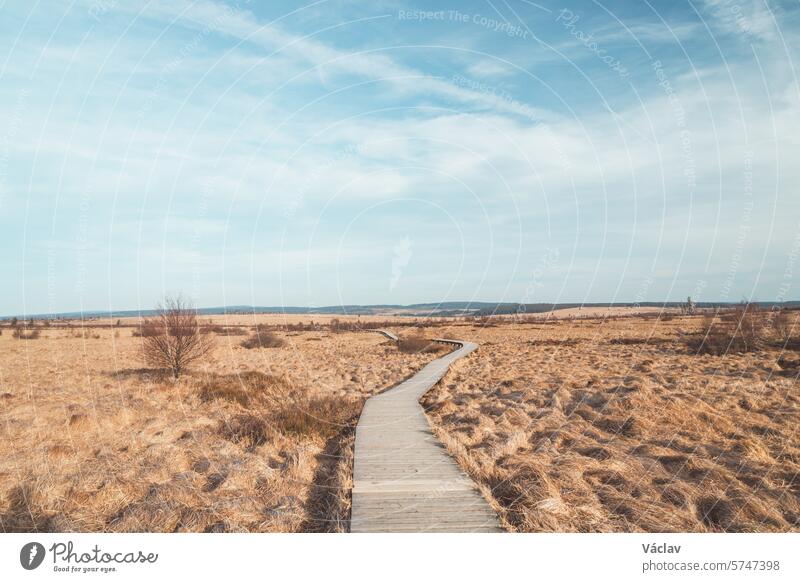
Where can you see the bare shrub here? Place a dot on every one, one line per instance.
(148, 328)
(418, 344)
(262, 339)
(752, 322)
(22, 333)
(178, 341)
(688, 308)
(740, 329)
(783, 326)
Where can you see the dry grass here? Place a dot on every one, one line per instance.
(323, 416)
(609, 425)
(22, 333)
(250, 389)
(222, 330)
(418, 344)
(786, 328)
(745, 328)
(145, 329)
(247, 440)
(566, 425)
(250, 429)
(262, 339)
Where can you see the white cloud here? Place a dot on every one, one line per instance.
(751, 18)
(243, 26)
(488, 68)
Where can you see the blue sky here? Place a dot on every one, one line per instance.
(393, 152)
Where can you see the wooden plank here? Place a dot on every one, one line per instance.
(403, 478)
(406, 528)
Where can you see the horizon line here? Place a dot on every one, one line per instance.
(332, 309)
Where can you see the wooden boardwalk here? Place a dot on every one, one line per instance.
(404, 480)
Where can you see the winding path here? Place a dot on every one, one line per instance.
(403, 479)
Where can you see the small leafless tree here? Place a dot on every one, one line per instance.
(174, 340)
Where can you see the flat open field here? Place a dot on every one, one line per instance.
(566, 424)
(615, 425)
(92, 441)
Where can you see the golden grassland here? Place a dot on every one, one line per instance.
(615, 425)
(578, 422)
(249, 440)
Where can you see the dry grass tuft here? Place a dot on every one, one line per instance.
(146, 329)
(419, 344)
(22, 333)
(22, 512)
(77, 420)
(249, 389)
(249, 429)
(319, 416)
(262, 339)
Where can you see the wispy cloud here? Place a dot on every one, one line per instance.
(282, 145)
(750, 19)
